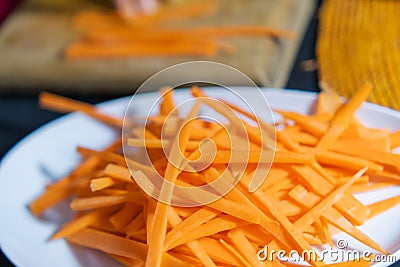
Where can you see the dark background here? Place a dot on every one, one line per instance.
(20, 114)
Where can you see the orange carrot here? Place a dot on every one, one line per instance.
(65, 105)
(382, 206)
(343, 116)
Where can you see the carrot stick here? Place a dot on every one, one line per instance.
(307, 123)
(235, 253)
(203, 215)
(157, 237)
(87, 203)
(344, 116)
(308, 199)
(82, 222)
(135, 225)
(101, 183)
(122, 217)
(167, 103)
(219, 224)
(117, 245)
(194, 246)
(368, 153)
(382, 206)
(395, 140)
(346, 161)
(66, 105)
(87, 50)
(314, 213)
(118, 172)
(244, 247)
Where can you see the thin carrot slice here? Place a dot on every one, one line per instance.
(244, 247)
(117, 245)
(235, 253)
(157, 237)
(203, 215)
(395, 140)
(382, 206)
(219, 224)
(122, 218)
(194, 246)
(82, 222)
(87, 203)
(343, 116)
(167, 104)
(314, 213)
(101, 183)
(66, 105)
(308, 199)
(217, 251)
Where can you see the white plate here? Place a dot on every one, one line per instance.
(49, 152)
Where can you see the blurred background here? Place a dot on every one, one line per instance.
(100, 50)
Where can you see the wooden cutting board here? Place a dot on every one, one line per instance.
(33, 38)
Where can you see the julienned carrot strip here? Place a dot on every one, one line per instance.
(383, 205)
(235, 253)
(101, 183)
(167, 104)
(346, 161)
(118, 245)
(194, 246)
(87, 203)
(313, 180)
(327, 235)
(204, 215)
(307, 123)
(135, 225)
(138, 35)
(381, 144)
(362, 181)
(122, 217)
(360, 188)
(368, 153)
(118, 172)
(275, 174)
(395, 140)
(344, 116)
(87, 50)
(256, 234)
(66, 105)
(333, 197)
(293, 233)
(225, 156)
(157, 237)
(82, 222)
(127, 261)
(225, 108)
(309, 200)
(219, 224)
(217, 251)
(351, 208)
(243, 245)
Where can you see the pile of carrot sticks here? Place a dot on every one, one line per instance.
(321, 161)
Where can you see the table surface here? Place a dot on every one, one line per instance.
(20, 114)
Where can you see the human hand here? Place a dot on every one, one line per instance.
(133, 8)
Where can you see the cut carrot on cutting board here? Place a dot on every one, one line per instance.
(255, 37)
